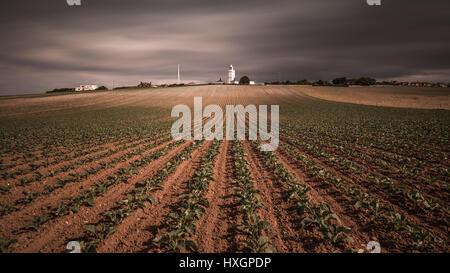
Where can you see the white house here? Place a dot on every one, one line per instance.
(87, 87)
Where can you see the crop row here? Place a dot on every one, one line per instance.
(247, 196)
(33, 167)
(191, 207)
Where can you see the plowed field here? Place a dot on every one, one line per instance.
(103, 170)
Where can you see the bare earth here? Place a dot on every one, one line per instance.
(404, 97)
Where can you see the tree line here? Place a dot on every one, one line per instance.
(342, 81)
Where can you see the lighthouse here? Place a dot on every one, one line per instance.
(231, 74)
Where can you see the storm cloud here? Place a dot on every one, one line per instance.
(47, 44)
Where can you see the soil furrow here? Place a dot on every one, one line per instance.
(216, 231)
(285, 233)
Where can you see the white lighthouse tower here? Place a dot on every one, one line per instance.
(231, 74)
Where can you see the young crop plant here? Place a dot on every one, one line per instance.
(327, 223)
(398, 222)
(422, 238)
(417, 196)
(6, 209)
(37, 222)
(5, 244)
(298, 194)
(4, 189)
(253, 227)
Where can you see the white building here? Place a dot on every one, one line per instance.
(87, 87)
(231, 74)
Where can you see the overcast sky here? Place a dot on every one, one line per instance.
(47, 44)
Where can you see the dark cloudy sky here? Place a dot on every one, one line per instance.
(47, 44)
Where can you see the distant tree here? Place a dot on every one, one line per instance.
(56, 90)
(340, 81)
(244, 80)
(365, 81)
(145, 85)
(318, 83)
(102, 88)
(176, 84)
(125, 87)
(321, 83)
(303, 82)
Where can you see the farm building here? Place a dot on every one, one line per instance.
(87, 87)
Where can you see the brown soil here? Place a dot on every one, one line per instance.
(404, 97)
